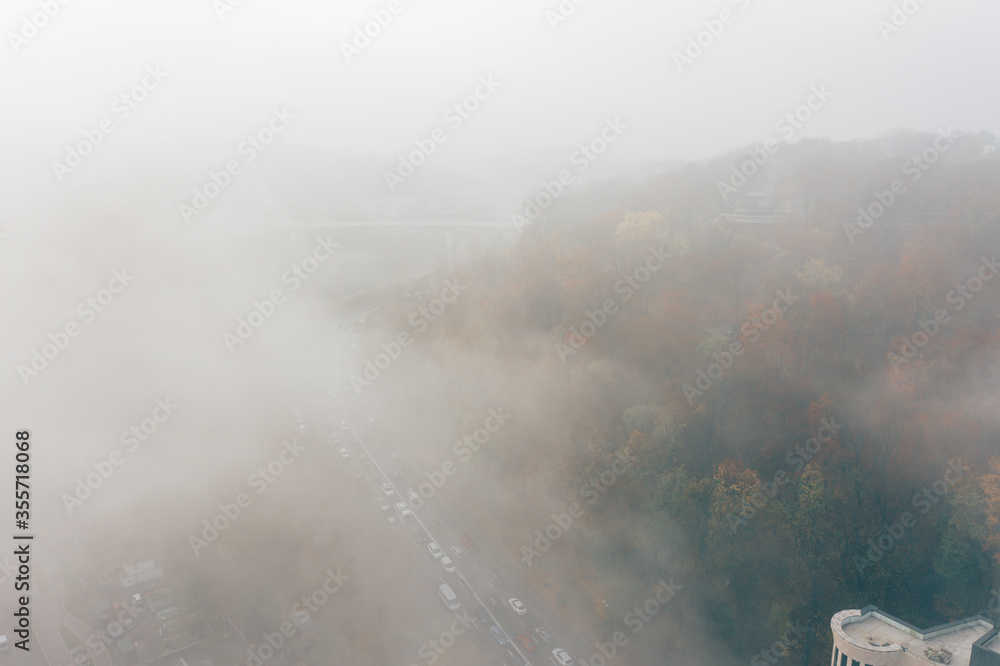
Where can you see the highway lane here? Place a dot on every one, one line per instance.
(480, 578)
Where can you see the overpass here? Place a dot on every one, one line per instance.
(506, 229)
(372, 224)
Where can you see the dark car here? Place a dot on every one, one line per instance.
(484, 616)
(499, 635)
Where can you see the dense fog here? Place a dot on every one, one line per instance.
(545, 332)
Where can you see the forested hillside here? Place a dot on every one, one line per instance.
(806, 418)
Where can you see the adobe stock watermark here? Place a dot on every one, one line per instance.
(626, 288)
(923, 500)
(260, 480)
(248, 149)
(636, 620)
(585, 155)
(797, 458)
(363, 35)
(992, 611)
(781, 647)
(705, 39)
(420, 321)
(957, 297)
(900, 16)
(562, 12)
(89, 308)
(30, 27)
(432, 650)
(223, 7)
(131, 439)
(122, 108)
(457, 114)
(294, 276)
(787, 125)
(591, 490)
(915, 168)
(273, 642)
(752, 329)
(464, 448)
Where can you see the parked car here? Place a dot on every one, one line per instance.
(344, 454)
(544, 634)
(527, 642)
(387, 489)
(393, 523)
(484, 616)
(466, 541)
(560, 657)
(517, 606)
(458, 552)
(435, 550)
(383, 504)
(499, 635)
(447, 564)
(403, 509)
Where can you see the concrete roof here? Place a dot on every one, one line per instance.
(875, 630)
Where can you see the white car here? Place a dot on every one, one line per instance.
(387, 489)
(544, 634)
(435, 550)
(458, 552)
(344, 454)
(383, 504)
(517, 606)
(447, 564)
(403, 509)
(393, 523)
(302, 429)
(371, 422)
(560, 657)
(413, 497)
(343, 424)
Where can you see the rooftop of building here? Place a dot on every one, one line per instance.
(992, 644)
(878, 631)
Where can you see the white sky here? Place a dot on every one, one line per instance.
(612, 57)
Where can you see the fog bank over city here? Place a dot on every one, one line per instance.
(566, 332)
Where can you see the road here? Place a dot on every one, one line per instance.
(478, 579)
(49, 612)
